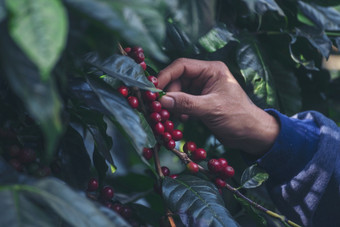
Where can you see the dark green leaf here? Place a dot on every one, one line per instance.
(39, 27)
(130, 19)
(337, 41)
(3, 12)
(196, 201)
(253, 177)
(151, 141)
(255, 72)
(40, 97)
(123, 68)
(327, 18)
(262, 6)
(146, 214)
(317, 38)
(216, 38)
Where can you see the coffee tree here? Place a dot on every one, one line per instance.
(84, 140)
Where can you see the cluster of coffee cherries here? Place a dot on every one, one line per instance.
(105, 195)
(137, 54)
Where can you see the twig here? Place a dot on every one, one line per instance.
(170, 218)
(157, 162)
(121, 50)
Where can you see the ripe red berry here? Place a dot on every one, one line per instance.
(150, 96)
(92, 185)
(171, 144)
(143, 64)
(14, 151)
(27, 155)
(228, 171)
(147, 153)
(199, 154)
(127, 49)
(167, 137)
(123, 90)
(137, 56)
(223, 162)
(164, 114)
(177, 134)
(126, 212)
(154, 80)
(174, 176)
(189, 147)
(133, 101)
(107, 193)
(137, 49)
(220, 183)
(169, 126)
(155, 117)
(108, 204)
(192, 167)
(214, 165)
(156, 106)
(16, 164)
(165, 171)
(117, 207)
(159, 128)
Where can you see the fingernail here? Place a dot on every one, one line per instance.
(167, 102)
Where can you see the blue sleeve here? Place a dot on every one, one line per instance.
(304, 168)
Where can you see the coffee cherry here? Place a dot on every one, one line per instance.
(143, 64)
(107, 193)
(171, 144)
(169, 126)
(154, 80)
(92, 185)
(174, 176)
(214, 165)
(189, 147)
(164, 114)
(123, 90)
(27, 155)
(150, 96)
(165, 171)
(137, 49)
(117, 207)
(147, 153)
(159, 128)
(16, 164)
(155, 117)
(177, 134)
(220, 183)
(44, 171)
(199, 154)
(127, 49)
(126, 212)
(223, 162)
(192, 167)
(156, 106)
(167, 137)
(108, 204)
(133, 101)
(14, 151)
(137, 56)
(228, 172)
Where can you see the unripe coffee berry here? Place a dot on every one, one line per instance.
(167, 137)
(123, 90)
(133, 101)
(155, 117)
(156, 106)
(223, 162)
(199, 154)
(159, 128)
(192, 167)
(92, 185)
(189, 147)
(220, 183)
(177, 134)
(154, 80)
(214, 165)
(171, 144)
(169, 126)
(147, 153)
(165, 171)
(107, 193)
(150, 96)
(143, 64)
(164, 114)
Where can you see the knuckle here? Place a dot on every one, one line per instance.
(180, 61)
(187, 105)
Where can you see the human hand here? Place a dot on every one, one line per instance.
(207, 90)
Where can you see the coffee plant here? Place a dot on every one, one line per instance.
(84, 140)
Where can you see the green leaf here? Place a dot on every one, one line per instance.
(39, 27)
(123, 68)
(151, 140)
(216, 38)
(3, 12)
(262, 6)
(196, 201)
(130, 19)
(255, 72)
(303, 19)
(327, 18)
(39, 97)
(253, 177)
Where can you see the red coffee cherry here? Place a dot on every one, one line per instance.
(159, 128)
(177, 134)
(126, 212)
(167, 137)
(214, 165)
(150, 96)
(147, 153)
(220, 183)
(165, 171)
(14, 151)
(223, 162)
(137, 56)
(107, 193)
(143, 64)
(137, 49)
(153, 79)
(156, 106)
(174, 176)
(228, 172)
(199, 154)
(133, 101)
(16, 164)
(164, 114)
(189, 147)
(92, 185)
(169, 126)
(155, 117)
(123, 90)
(108, 204)
(192, 167)
(27, 155)
(117, 207)
(171, 144)
(127, 49)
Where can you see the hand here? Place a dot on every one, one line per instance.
(207, 90)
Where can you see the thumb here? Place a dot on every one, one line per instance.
(183, 103)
